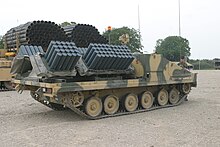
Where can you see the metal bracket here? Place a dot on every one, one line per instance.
(19, 88)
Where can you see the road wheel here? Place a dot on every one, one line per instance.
(174, 96)
(93, 106)
(111, 104)
(147, 100)
(186, 88)
(162, 97)
(131, 102)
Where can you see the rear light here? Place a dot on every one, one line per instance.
(44, 90)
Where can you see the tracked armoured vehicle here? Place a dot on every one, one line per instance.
(101, 80)
(5, 67)
(5, 78)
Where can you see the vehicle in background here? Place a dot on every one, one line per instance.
(216, 63)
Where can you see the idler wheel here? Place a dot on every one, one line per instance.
(77, 99)
(186, 88)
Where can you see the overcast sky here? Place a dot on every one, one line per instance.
(200, 19)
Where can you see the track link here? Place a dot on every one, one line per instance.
(5, 89)
(80, 110)
(122, 112)
(81, 113)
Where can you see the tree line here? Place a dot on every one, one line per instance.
(1, 42)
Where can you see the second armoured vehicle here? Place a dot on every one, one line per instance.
(5, 67)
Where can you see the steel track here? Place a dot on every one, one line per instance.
(81, 112)
(155, 107)
(4, 89)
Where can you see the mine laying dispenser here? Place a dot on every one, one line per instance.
(101, 80)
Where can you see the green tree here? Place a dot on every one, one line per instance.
(134, 43)
(64, 24)
(1, 42)
(173, 47)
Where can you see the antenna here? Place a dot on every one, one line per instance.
(179, 19)
(139, 25)
(179, 24)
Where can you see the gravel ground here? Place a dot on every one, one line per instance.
(25, 122)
